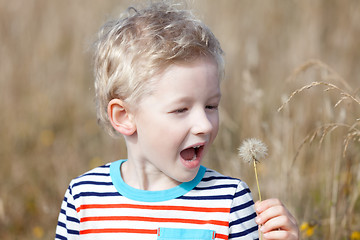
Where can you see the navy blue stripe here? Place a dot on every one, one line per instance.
(74, 232)
(206, 179)
(69, 205)
(242, 206)
(217, 187)
(57, 236)
(62, 211)
(92, 183)
(242, 220)
(96, 174)
(105, 166)
(244, 233)
(72, 219)
(96, 194)
(217, 197)
(61, 224)
(242, 192)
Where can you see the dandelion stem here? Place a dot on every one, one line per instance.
(258, 186)
(257, 180)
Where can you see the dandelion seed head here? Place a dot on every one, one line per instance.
(252, 150)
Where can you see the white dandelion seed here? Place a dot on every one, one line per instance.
(252, 150)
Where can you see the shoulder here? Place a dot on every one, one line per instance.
(94, 184)
(214, 180)
(213, 177)
(95, 177)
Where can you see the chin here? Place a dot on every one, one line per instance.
(187, 178)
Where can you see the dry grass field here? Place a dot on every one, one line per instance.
(49, 134)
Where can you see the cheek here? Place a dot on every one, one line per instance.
(166, 143)
(164, 132)
(215, 124)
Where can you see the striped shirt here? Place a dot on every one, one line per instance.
(100, 205)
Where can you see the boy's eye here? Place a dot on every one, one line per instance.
(180, 110)
(212, 107)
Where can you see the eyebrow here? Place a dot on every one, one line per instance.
(188, 99)
(217, 95)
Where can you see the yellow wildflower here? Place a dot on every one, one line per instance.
(307, 229)
(355, 236)
(38, 232)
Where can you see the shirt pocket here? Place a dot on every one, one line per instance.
(185, 234)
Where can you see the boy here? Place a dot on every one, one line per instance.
(157, 75)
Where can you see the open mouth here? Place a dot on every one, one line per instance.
(192, 153)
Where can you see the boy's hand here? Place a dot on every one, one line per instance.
(275, 221)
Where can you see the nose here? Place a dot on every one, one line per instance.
(202, 123)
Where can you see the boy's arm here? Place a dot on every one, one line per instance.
(68, 221)
(242, 223)
(276, 221)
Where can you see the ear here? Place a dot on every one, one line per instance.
(120, 117)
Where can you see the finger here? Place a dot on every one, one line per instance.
(274, 210)
(278, 235)
(278, 223)
(280, 228)
(263, 205)
(270, 213)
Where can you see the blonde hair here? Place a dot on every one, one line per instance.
(131, 50)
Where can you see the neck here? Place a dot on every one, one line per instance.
(144, 176)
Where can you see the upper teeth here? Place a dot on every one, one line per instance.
(197, 147)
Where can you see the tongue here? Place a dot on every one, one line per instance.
(188, 154)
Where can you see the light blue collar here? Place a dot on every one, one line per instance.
(151, 196)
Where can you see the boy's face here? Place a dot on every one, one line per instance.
(176, 124)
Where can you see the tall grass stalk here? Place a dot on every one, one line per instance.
(337, 216)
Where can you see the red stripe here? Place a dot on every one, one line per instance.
(165, 208)
(119, 230)
(153, 219)
(130, 230)
(221, 236)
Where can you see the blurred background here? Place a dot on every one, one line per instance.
(49, 134)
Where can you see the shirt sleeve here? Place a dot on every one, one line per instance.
(242, 223)
(68, 221)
